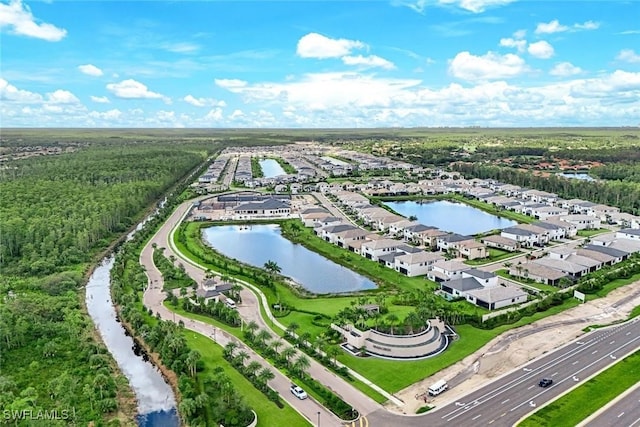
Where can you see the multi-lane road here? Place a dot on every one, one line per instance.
(624, 412)
(506, 400)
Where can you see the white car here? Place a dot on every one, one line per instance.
(298, 392)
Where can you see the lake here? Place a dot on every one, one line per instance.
(257, 244)
(449, 216)
(271, 168)
(583, 176)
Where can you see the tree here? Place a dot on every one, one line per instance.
(253, 367)
(292, 328)
(265, 375)
(251, 329)
(333, 352)
(287, 354)
(272, 267)
(192, 362)
(229, 349)
(275, 345)
(262, 337)
(392, 318)
(301, 365)
(239, 359)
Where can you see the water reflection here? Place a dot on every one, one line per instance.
(257, 244)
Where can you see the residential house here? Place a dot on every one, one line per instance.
(537, 272)
(347, 236)
(472, 249)
(500, 242)
(416, 263)
(446, 270)
(376, 248)
(629, 233)
(484, 290)
(582, 221)
(451, 241)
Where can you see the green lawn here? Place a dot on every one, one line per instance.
(614, 284)
(494, 256)
(543, 287)
(583, 401)
(269, 414)
(590, 233)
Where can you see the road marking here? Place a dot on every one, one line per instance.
(612, 342)
(366, 422)
(505, 401)
(628, 333)
(576, 362)
(503, 415)
(594, 351)
(554, 374)
(476, 417)
(621, 414)
(529, 388)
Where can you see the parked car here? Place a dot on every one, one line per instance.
(545, 382)
(298, 392)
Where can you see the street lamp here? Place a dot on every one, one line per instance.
(318, 418)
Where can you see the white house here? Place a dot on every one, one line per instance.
(629, 233)
(582, 222)
(417, 263)
(376, 248)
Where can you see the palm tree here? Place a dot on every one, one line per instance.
(301, 364)
(240, 358)
(275, 345)
(192, 362)
(252, 327)
(262, 337)
(292, 328)
(229, 349)
(333, 352)
(319, 343)
(287, 354)
(265, 375)
(272, 267)
(392, 318)
(253, 367)
(304, 339)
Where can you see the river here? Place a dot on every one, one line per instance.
(156, 401)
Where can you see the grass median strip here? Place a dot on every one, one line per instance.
(572, 408)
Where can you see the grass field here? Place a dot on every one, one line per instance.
(495, 255)
(591, 233)
(572, 408)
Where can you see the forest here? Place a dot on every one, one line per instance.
(58, 215)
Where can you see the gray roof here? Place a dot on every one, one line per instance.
(338, 228)
(517, 231)
(546, 225)
(480, 274)
(606, 250)
(454, 237)
(267, 204)
(409, 249)
(390, 257)
(463, 285)
(632, 231)
(314, 210)
(418, 227)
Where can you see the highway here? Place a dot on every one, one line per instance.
(624, 412)
(506, 400)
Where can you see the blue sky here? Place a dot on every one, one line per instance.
(331, 63)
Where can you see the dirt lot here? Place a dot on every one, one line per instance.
(518, 346)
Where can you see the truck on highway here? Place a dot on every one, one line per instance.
(438, 387)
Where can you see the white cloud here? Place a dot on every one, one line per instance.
(62, 97)
(203, 102)
(214, 115)
(100, 99)
(236, 114)
(314, 45)
(491, 66)
(588, 25)
(230, 83)
(520, 34)
(114, 114)
(541, 49)
(550, 27)
(565, 69)
(90, 70)
(520, 45)
(181, 47)
(475, 6)
(555, 27)
(132, 89)
(10, 93)
(368, 61)
(628, 55)
(19, 20)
